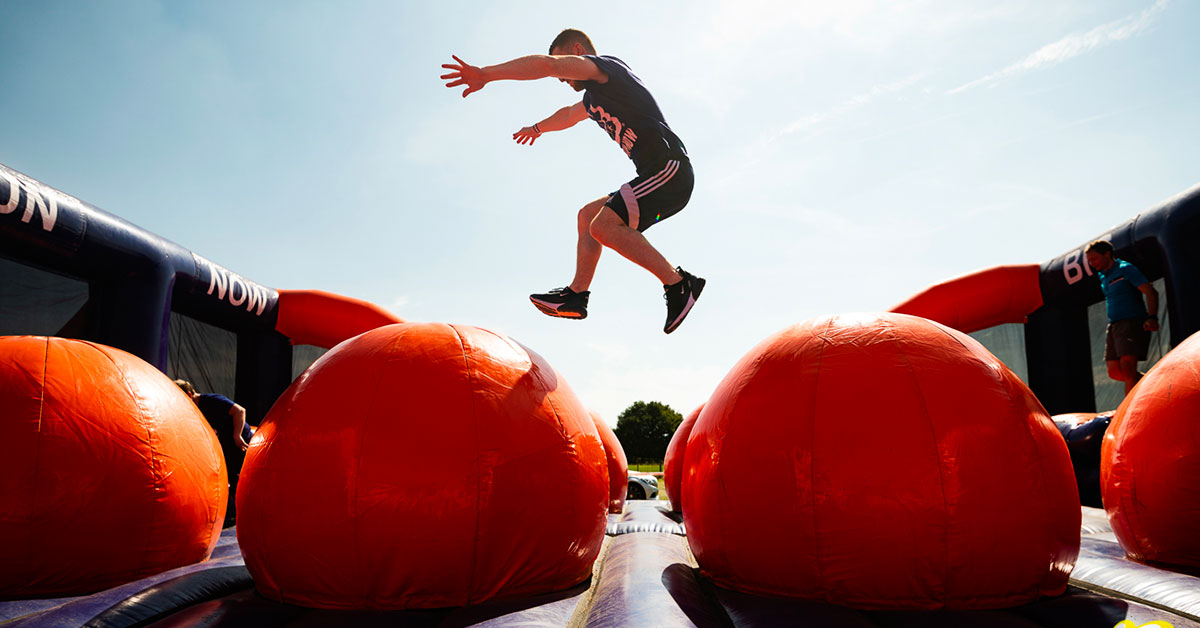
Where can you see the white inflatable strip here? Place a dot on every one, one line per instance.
(1104, 569)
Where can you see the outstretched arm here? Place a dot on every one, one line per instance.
(238, 413)
(528, 68)
(564, 118)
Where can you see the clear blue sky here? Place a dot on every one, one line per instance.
(847, 154)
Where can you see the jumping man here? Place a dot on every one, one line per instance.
(616, 99)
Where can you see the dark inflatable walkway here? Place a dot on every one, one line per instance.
(645, 576)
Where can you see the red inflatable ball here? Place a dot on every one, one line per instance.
(618, 465)
(880, 461)
(1150, 462)
(673, 463)
(108, 472)
(423, 465)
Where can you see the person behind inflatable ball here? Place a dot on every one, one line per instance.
(1130, 320)
(228, 420)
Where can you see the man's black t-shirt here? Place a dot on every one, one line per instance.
(624, 108)
(215, 409)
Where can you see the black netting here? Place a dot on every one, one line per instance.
(1110, 392)
(303, 356)
(1007, 342)
(203, 354)
(40, 303)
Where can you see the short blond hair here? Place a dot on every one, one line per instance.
(185, 386)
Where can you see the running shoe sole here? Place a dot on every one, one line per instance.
(550, 310)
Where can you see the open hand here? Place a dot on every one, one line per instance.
(464, 74)
(527, 135)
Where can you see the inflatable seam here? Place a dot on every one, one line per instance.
(941, 463)
(37, 457)
(354, 527)
(1046, 501)
(159, 481)
(462, 344)
(716, 446)
(1128, 499)
(812, 461)
(266, 514)
(574, 451)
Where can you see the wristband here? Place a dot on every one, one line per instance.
(1152, 317)
(537, 130)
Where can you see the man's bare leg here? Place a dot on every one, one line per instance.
(599, 226)
(587, 249)
(608, 229)
(1129, 372)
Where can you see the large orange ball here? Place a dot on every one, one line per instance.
(423, 465)
(1150, 462)
(108, 472)
(880, 461)
(673, 463)
(618, 465)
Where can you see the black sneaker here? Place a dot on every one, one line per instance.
(681, 297)
(562, 303)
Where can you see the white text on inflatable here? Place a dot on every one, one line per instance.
(44, 205)
(228, 286)
(1075, 267)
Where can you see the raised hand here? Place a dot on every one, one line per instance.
(464, 74)
(527, 135)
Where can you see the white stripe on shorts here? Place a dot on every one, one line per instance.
(631, 205)
(656, 181)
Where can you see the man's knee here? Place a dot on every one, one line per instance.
(1114, 370)
(604, 224)
(1129, 366)
(588, 213)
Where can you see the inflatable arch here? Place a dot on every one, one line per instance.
(1052, 299)
(135, 280)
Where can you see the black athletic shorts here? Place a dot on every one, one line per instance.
(650, 199)
(1126, 337)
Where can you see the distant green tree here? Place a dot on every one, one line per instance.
(645, 430)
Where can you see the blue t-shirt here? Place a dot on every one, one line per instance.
(215, 409)
(1122, 299)
(624, 108)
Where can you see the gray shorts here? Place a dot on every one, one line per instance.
(1126, 337)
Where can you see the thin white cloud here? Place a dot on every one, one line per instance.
(829, 223)
(1073, 45)
(750, 161)
(1102, 116)
(809, 121)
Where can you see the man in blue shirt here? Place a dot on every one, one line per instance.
(228, 420)
(617, 100)
(1130, 321)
